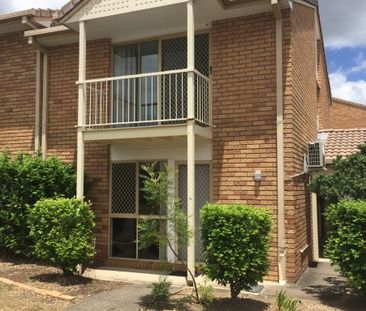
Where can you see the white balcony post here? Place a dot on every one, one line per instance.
(81, 108)
(190, 138)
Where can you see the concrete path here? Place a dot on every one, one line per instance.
(127, 298)
(324, 285)
(320, 285)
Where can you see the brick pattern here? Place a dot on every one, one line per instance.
(300, 128)
(244, 114)
(62, 119)
(346, 115)
(17, 89)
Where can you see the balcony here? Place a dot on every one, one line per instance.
(140, 105)
(151, 99)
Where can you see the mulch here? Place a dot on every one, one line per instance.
(38, 274)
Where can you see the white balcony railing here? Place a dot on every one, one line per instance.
(144, 99)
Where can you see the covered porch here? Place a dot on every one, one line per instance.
(156, 93)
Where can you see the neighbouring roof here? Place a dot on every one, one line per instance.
(342, 142)
(65, 9)
(31, 12)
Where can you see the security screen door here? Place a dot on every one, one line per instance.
(203, 196)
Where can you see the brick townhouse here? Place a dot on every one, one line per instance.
(221, 91)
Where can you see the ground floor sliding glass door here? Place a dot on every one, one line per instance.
(129, 207)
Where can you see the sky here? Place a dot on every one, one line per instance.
(344, 28)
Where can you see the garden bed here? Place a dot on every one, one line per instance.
(37, 274)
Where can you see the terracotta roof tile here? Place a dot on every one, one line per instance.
(342, 142)
(68, 7)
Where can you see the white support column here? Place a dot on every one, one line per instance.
(281, 213)
(45, 105)
(81, 107)
(190, 139)
(170, 226)
(38, 103)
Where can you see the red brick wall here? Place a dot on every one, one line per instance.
(244, 114)
(324, 96)
(62, 118)
(17, 93)
(300, 128)
(346, 115)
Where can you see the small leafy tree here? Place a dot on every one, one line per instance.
(346, 243)
(347, 180)
(156, 192)
(63, 232)
(25, 179)
(236, 242)
(285, 303)
(161, 291)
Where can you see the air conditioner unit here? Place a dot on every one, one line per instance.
(316, 155)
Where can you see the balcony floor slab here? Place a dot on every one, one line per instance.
(116, 134)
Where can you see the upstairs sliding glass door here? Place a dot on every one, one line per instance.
(153, 97)
(135, 99)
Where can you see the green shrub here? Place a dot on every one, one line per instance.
(24, 180)
(161, 291)
(346, 243)
(236, 242)
(346, 181)
(63, 232)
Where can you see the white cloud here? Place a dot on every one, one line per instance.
(360, 64)
(349, 90)
(344, 22)
(7, 6)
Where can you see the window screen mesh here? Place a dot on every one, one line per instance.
(174, 88)
(123, 188)
(174, 54)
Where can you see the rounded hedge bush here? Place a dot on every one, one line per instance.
(25, 179)
(63, 232)
(346, 243)
(236, 241)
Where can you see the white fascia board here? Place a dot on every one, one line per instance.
(46, 31)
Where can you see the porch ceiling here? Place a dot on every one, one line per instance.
(163, 20)
(166, 19)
